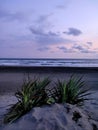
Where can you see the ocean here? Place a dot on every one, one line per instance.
(50, 62)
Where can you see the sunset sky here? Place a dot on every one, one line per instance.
(48, 28)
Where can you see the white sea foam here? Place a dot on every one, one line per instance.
(50, 62)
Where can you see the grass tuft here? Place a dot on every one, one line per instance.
(32, 94)
(73, 92)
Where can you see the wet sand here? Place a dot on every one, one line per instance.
(12, 78)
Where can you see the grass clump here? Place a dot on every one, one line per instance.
(32, 94)
(73, 92)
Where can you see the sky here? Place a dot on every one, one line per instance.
(49, 29)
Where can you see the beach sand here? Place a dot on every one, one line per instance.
(12, 78)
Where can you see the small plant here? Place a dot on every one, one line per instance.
(73, 92)
(32, 94)
(77, 91)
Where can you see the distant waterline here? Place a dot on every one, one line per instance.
(50, 62)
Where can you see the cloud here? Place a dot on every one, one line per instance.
(63, 4)
(43, 49)
(77, 48)
(43, 21)
(36, 31)
(61, 7)
(66, 50)
(43, 18)
(90, 43)
(42, 37)
(42, 34)
(73, 31)
(12, 16)
(83, 49)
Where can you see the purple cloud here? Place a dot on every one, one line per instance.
(65, 49)
(73, 31)
(83, 49)
(43, 49)
(47, 38)
(60, 7)
(90, 43)
(12, 16)
(42, 34)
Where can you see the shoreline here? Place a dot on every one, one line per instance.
(47, 68)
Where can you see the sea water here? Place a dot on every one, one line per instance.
(50, 62)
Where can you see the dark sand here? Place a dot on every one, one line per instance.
(11, 79)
